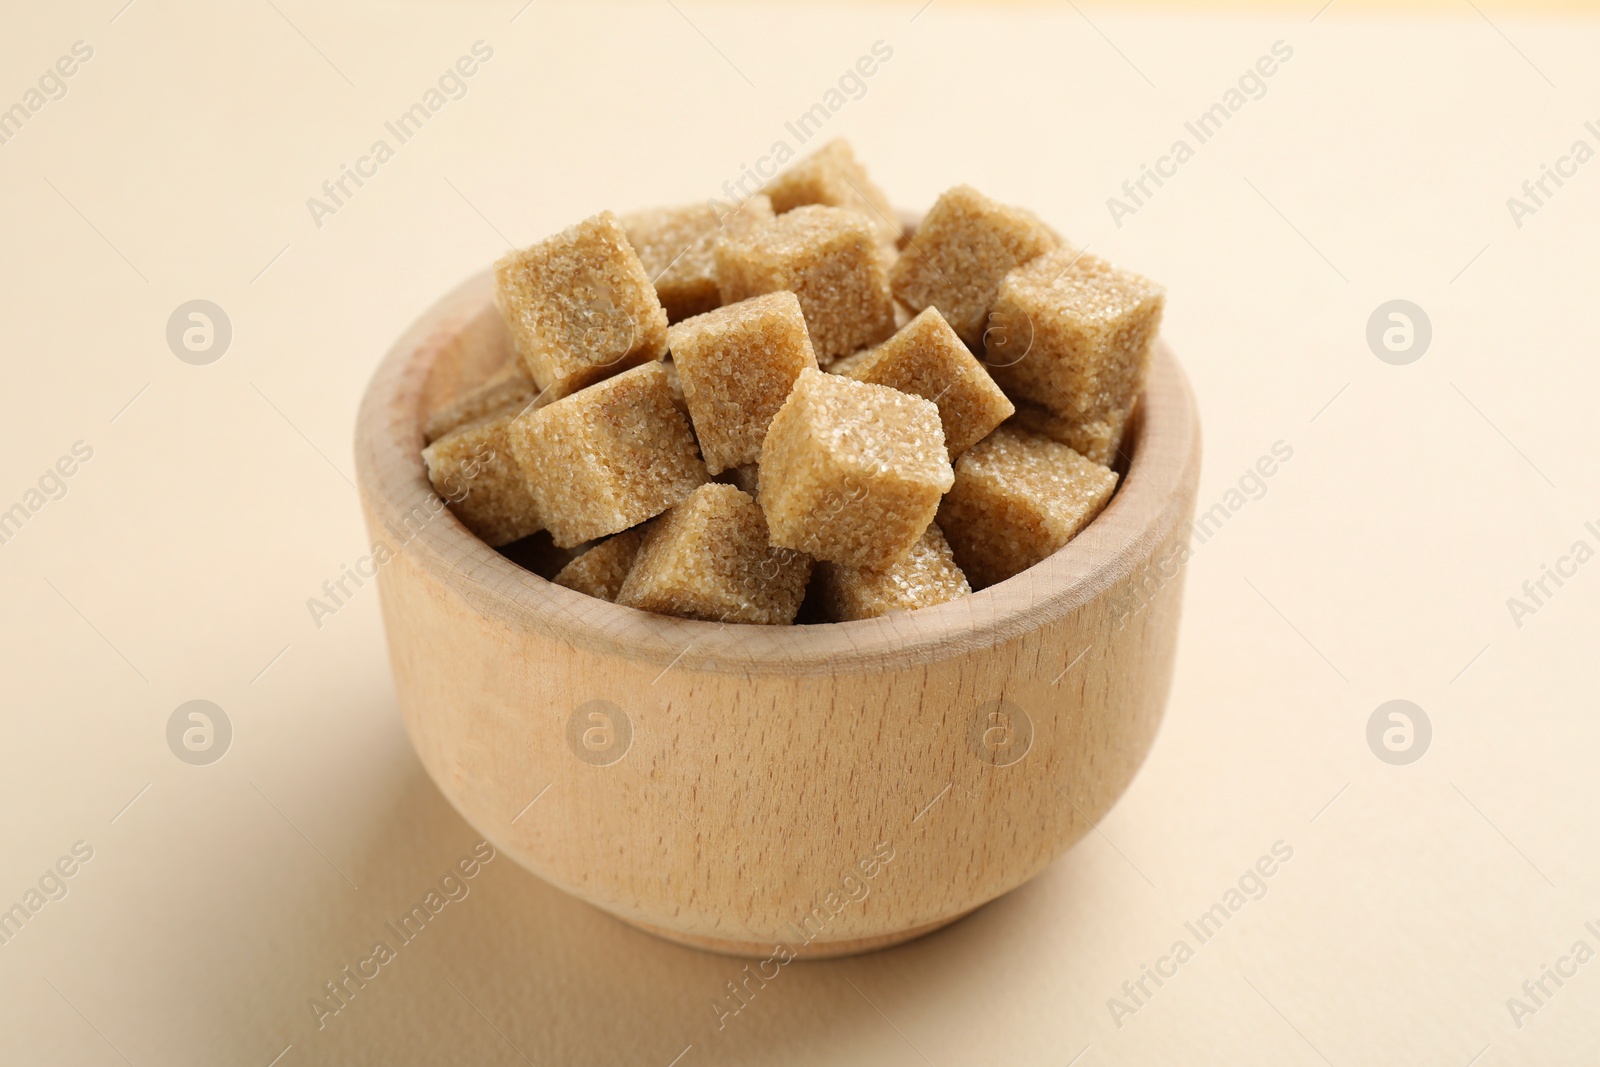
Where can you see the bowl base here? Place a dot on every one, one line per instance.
(815, 950)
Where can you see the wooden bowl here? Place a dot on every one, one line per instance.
(806, 790)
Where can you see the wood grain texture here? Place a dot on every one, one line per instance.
(768, 766)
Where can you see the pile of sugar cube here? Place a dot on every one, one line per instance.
(789, 409)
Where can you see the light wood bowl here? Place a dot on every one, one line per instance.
(768, 771)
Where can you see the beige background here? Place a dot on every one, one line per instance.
(1376, 566)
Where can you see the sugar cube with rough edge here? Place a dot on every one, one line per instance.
(852, 473)
(927, 359)
(675, 244)
(924, 576)
(579, 305)
(829, 258)
(607, 457)
(709, 558)
(510, 385)
(737, 365)
(833, 177)
(961, 251)
(1077, 340)
(1018, 497)
(474, 470)
(600, 571)
(1089, 441)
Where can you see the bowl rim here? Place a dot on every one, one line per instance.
(1150, 502)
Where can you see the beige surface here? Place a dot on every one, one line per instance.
(1376, 566)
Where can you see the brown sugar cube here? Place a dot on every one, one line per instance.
(737, 365)
(676, 244)
(607, 457)
(924, 576)
(927, 359)
(960, 253)
(833, 177)
(852, 473)
(600, 571)
(1076, 340)
(474, 470)
(1019, 497)
(830, 259)
(579, 305)
(511, 384)
(1089, 441)
(709, 558)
